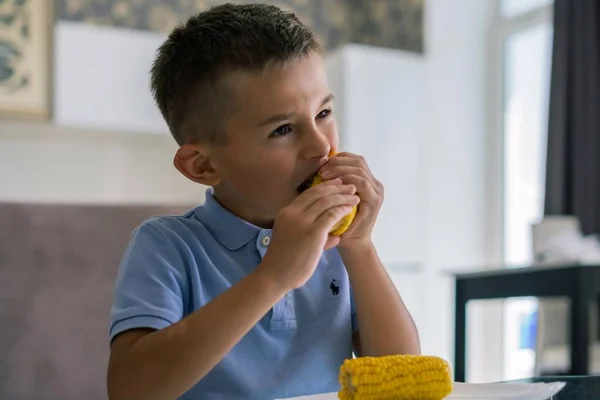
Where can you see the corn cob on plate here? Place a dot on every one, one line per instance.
(416, 377)
(408, 377)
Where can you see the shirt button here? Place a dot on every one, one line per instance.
(266, 240)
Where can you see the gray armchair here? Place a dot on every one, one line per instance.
(57, 268)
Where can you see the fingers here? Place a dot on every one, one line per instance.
(329, 202)
(332, 216)
(338, 171)
(348, 159)
(356, 176)
(353, 170)
(364, 187)
(326, 189)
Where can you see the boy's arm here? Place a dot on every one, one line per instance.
(156, 352)
(385, 325)
(164, 364)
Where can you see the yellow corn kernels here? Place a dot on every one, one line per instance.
(397, 377)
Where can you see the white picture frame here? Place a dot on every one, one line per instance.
(26, 31)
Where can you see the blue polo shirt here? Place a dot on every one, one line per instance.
(174, 265)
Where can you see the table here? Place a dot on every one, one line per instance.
(580, 284)
(577, 388)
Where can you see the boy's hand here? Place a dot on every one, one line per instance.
(352, 169)
(301, 231)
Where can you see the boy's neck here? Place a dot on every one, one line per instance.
(242, 211)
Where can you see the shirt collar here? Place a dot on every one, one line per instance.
(229, 229)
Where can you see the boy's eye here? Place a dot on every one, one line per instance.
(324, 114)
(282, 130)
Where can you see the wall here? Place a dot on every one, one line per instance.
(108, 142)
(102, 78)
(49, 164)
(380, 102)
(421, 123)
(457, 152)
(380, 115)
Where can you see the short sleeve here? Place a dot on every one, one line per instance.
(149, 284)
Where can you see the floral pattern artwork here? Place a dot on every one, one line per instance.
(388, 23)
(25, 27)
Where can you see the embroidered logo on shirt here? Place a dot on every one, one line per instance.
(335, 290)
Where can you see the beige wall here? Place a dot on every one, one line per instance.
(48, 163)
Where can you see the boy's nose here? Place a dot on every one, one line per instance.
(317, 145)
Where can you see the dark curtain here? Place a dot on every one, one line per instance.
(573, 158)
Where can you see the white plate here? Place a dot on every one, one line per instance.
(483, 391)
(326, 396)
(505, 391)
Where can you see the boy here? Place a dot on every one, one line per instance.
(248, 296)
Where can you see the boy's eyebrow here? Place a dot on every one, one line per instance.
(282, 117)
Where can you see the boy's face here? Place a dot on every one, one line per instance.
(280, 133)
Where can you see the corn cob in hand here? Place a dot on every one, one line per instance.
(344, 223)
(339, 228)
(396, 377)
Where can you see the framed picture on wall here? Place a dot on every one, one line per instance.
(26, 31)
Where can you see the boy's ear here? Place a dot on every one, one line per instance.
(193, 162)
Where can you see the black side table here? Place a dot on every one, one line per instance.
(580, 284)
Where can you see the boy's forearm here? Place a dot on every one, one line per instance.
(166, 363)
(385, 325)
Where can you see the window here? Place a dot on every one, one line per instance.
(513, 8)
(524, 35)
(525, 110)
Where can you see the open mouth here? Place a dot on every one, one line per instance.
(307, 183)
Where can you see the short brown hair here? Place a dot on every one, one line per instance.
(190, 64)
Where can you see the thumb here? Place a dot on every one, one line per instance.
(331, 242)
